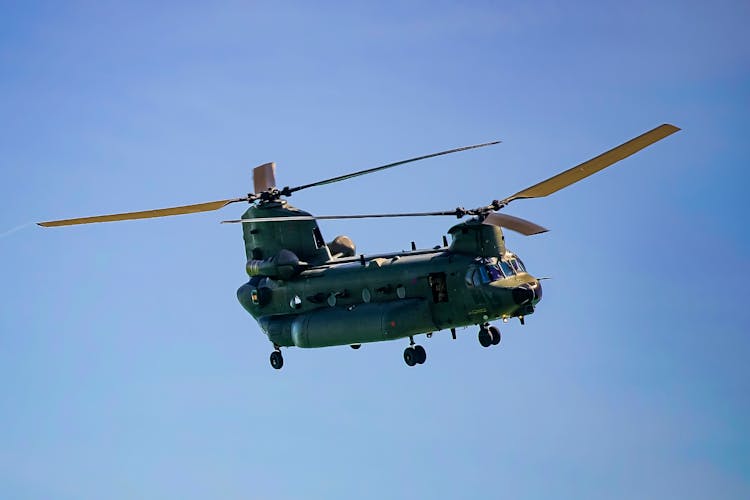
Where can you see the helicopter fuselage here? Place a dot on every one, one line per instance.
(385, 299)
(355, 300)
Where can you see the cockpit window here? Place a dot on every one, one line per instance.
(520, 263)
(484, 275)
(506, 268)
(476, 278)
(489, 272)
(495, 273)
(517, 266)
(472, 277)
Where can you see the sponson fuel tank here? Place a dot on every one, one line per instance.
(358, 324)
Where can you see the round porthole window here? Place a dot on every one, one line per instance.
(295, 303)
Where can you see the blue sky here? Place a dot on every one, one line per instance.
(129, 370)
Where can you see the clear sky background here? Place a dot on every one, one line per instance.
(129, 370)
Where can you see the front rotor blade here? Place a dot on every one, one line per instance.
(390, 165)
(264, 177)
(146, 214)
(594, 165)
(517, 224)
(336, 217)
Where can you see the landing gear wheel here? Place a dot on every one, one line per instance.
(410, 356)
(495, 335)
(420, 353)
(277, 361)
(485, 337)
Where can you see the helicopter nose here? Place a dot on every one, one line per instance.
(522, 294)
(528, 292)
(537, 290)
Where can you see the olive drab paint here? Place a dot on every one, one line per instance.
(359, 300)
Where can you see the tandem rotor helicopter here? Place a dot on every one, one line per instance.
(307, 293)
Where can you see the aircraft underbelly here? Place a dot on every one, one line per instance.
(358, 324)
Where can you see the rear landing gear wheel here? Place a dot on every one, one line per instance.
(495, 335)
(410, 356)
(277, 361)
(420, 353)
(485, 337)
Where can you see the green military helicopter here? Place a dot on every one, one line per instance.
(307, 293)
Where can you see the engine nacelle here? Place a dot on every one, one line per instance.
(284, 265)
(342, 246)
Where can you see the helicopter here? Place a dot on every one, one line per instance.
(308, 293)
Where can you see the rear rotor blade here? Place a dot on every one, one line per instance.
(592, 166)
(146, 214)
(517, 224)
(289, 191)
(264, 177)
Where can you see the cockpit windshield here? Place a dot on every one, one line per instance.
(507, 270)
(495, 273)
(489, 271)
(517, 265)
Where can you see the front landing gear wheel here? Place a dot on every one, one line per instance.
(485, 337)
(410, 356)
(420, 353)
(495, 335)
(277, 361)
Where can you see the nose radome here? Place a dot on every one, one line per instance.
(523, 294)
